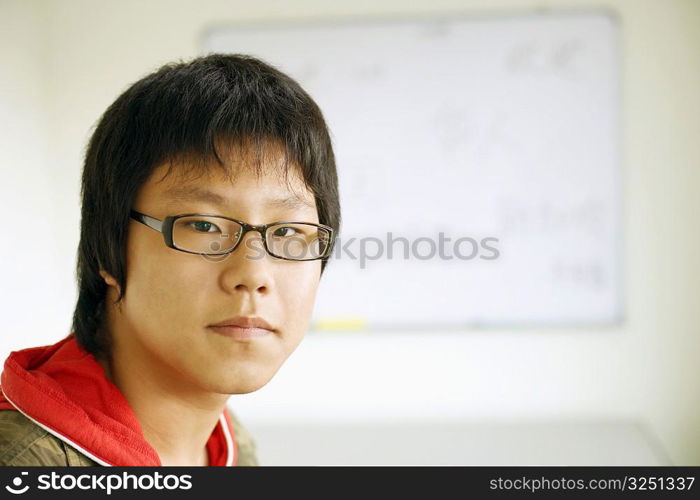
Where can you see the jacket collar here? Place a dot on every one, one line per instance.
(64, 390)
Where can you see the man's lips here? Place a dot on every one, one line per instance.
(245, 322)
(241, 333)
(243, 327)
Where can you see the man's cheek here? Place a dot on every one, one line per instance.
(174, 279)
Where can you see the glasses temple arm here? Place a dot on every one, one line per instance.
(147, 220)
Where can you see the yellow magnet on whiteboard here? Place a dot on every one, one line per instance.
(340, 324)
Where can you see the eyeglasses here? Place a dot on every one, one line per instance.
(217, 235)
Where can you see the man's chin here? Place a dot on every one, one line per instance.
(243, 384)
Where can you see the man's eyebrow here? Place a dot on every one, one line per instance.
(289, 202)
(188, 193)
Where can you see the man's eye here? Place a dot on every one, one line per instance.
(203, 226)
(282, 231)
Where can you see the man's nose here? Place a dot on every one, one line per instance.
(248, 267)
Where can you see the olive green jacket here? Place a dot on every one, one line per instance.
(24, 443)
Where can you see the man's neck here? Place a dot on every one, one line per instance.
(176, 422)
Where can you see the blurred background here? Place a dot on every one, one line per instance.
(598, 372)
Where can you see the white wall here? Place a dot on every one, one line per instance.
(64, 61)
(31, 271)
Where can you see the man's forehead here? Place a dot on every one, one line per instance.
(241, 178)
(194, 192)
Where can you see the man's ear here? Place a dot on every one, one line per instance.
(109, 279)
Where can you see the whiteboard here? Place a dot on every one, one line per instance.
(502, 130)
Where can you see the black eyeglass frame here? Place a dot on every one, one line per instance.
(165, 227)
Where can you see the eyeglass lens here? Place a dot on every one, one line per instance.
(215, 236)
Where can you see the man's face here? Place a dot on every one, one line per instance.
(172, 297)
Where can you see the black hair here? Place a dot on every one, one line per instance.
(188, 110)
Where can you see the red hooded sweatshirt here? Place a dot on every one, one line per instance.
(64, 390)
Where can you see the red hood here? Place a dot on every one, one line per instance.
(63, 389)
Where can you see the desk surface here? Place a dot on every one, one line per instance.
(546, 443)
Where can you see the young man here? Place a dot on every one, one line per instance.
(209, 208)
